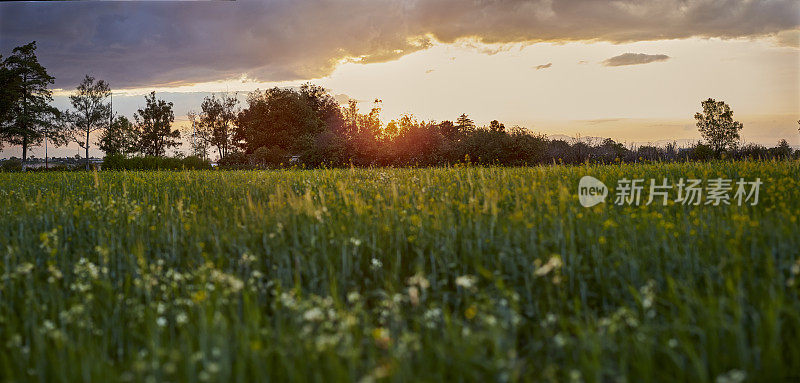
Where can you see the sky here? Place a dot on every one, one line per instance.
(632, 70)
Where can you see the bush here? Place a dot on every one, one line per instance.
(120, 162)
(196, 163)
(11, 165)
(234, 161)
(701, 152)
(273, 157)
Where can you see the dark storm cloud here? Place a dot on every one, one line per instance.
(634, 59)
(159, 43)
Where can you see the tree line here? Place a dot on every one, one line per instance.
(307, 126)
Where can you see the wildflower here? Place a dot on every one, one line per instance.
(553, 263)
(313, 315)
(161, 321)
(431, 317)
(375, 264)
(470, 312)
(559, 340)
(466, 281)
(672, 343)
(413, 295)
(575, 376)
(732, 376)
(353, 296)
(381, 337)
(248, 258)
(419, 280)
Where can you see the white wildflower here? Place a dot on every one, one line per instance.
(313, 315)
(466, 281)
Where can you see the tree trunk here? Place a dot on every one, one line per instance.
(24, 148)
(24, 123)
(87, 148)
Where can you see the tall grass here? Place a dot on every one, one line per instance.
(466, 274)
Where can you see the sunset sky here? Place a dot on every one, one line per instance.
(633, 70)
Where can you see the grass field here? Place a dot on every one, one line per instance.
(464, 274)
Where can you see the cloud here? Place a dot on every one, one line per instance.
(132, 43)
(634, 59)
(788, 38)
(543, 66)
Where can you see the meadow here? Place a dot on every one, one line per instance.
(456, 274)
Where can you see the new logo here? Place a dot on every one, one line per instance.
(591, 191)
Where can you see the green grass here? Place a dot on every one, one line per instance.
(465, 274)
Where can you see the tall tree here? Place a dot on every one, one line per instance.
(448, 129)
(8, 98)
(277, 117)
(121, 137)
(497, 126)
(55, 133)
(154, 124)
(717, 126)
(324, 106)
(197, 139)
(25, 98)
(91, 113)
(214, 124)
(464, 123)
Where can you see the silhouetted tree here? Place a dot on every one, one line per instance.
(215, 124)
(9, 84)
(197, 139)
(121, 137)
(55, 132)
(324, 106)
(464, 124)
(448, 129)
(717, 126)
(496, 126)
(277, 117)
(783, 150)
(90, 113)
(26, 112)
(154, 125)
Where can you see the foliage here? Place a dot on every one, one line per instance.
(121, 137)
(459, 274)
(90, 112)
(11, 165)
(214, 125)
(25, 112)
(276, 117)
(717, 126)
(270, 157)
(154, 126)
(121, 162)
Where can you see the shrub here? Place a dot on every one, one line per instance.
(196, 163)
(11, 165)
(236, 160)
(120, 162)
(701, 152)
(272, 157)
